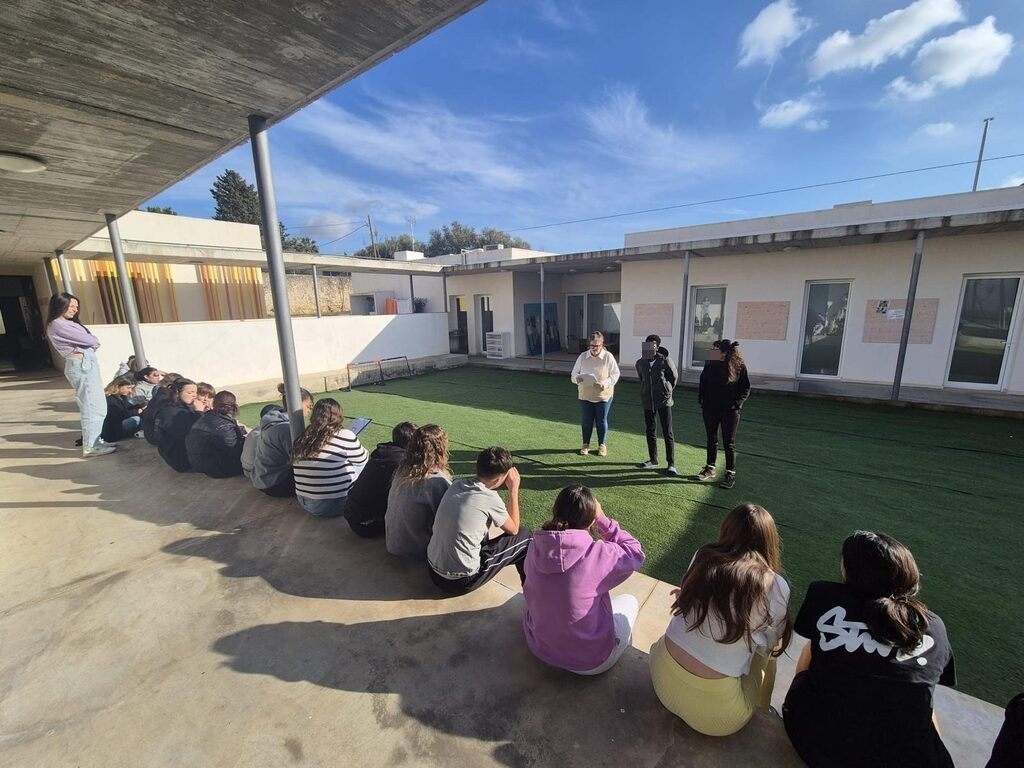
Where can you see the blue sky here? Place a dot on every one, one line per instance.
(530, 112)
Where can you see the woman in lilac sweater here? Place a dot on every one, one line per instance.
(571, 621)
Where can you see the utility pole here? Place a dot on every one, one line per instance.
(411, 221)
(373, 239)
(981, 153)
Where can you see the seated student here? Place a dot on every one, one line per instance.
(146, 380)
(174, 422)
(571, 621)
(368, 496)
(864, 684)
(460, 554)
(326, 459)
(252, 438)
(1008, 750)
(214, 444)
(160, 400)
(204, 397)
(715, 665)
(417, 487)
(272, 453)
(123, 417)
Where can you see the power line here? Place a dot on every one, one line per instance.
(759, 194)
(323, 245)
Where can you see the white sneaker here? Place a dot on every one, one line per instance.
(98, 450)
(585, 450)
(647, 465)
(671, 470)
(602, 450)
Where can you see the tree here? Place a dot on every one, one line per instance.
(166, 210)
(454, 237)
(236, 199)
(386, 248)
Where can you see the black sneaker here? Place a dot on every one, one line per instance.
(728, 481)
(708, 473)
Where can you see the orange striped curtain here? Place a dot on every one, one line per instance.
(152, 286)
(233, 293)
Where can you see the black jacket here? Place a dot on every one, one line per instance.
(118, 409)
(173, 425)
(368, 495)
(657, 380)
(716, 393)
(214, 445)
(161, 397)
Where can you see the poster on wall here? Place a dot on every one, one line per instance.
(531, 313)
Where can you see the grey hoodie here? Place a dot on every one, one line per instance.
(266, 456)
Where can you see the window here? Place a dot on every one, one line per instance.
(708, 317)
(824, 324)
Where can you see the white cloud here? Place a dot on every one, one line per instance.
(520, 48)
(777, 26)
(621, 129)
(564, 15)
(894, 34)
(417, 140)
(950, 62)
(1013, 181)
(802, 112)
(935, 130)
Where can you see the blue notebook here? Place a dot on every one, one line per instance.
(357, 423)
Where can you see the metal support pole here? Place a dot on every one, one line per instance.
(275, 269)
(131, 313)
(684, 315)
(981, 153)
(48, 266)
(412, 294)
(908, 315)
(444, 289)
(65, 276)
(316, 292)
(543, 329)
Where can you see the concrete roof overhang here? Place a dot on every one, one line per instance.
(1010, 220)
(122, 100)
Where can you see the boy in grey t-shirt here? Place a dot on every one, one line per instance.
(460, 554)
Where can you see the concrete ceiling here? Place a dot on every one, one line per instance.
(122, 100)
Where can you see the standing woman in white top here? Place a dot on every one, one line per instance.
(715, 665)
(77, 346)
(326, 460)
(595, 375)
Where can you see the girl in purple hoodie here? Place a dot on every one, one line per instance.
(571, 621)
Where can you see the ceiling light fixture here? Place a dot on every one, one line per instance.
(18, 163)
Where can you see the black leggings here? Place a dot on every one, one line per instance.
(728, 422)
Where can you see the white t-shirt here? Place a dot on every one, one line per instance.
(732, 659)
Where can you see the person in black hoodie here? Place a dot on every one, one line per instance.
(658, 377)
(122, 418)
(214, 444)
(368, 495)
(174, 422)
(724, 387)
(160, 400)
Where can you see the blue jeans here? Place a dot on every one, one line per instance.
(131, 425)
(323, 507)
(595, 413)
(83, 373)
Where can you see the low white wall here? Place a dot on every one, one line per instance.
(239, 351)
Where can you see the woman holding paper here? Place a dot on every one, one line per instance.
(595, 375)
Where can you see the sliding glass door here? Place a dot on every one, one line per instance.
(983, 331)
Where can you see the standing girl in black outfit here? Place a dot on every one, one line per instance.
(724, 387)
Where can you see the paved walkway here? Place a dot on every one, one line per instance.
(947, 398)
(149, 618)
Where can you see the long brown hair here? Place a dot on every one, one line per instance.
(575, 508)
(324, 423)
(883, 572)
(733, 358)
(116, 384)
(734, 576)
(426, 452)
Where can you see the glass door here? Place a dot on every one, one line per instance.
(575, 322)
(824, 324)
(708, 317)
(983, 331)
(486, 320)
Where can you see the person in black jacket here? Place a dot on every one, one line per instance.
(214, 444)
(174, 422)
(122, 419)
(658, 377)
(160, 400)
(724, 387)
(368, 495)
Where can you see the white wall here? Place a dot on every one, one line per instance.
(182, 230)
(650, 282)
(429, 287)
(497, 285)
(243, 351)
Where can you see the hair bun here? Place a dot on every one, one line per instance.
(280, 388)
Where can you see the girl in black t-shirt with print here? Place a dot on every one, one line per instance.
(862, 695)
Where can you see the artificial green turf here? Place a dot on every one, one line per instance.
(947, 485)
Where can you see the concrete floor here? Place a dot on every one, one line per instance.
(154, 619)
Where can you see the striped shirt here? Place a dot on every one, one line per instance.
(335, 468)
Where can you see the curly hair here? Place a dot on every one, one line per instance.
(324, 423)
(426, 453)
(733, 358)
